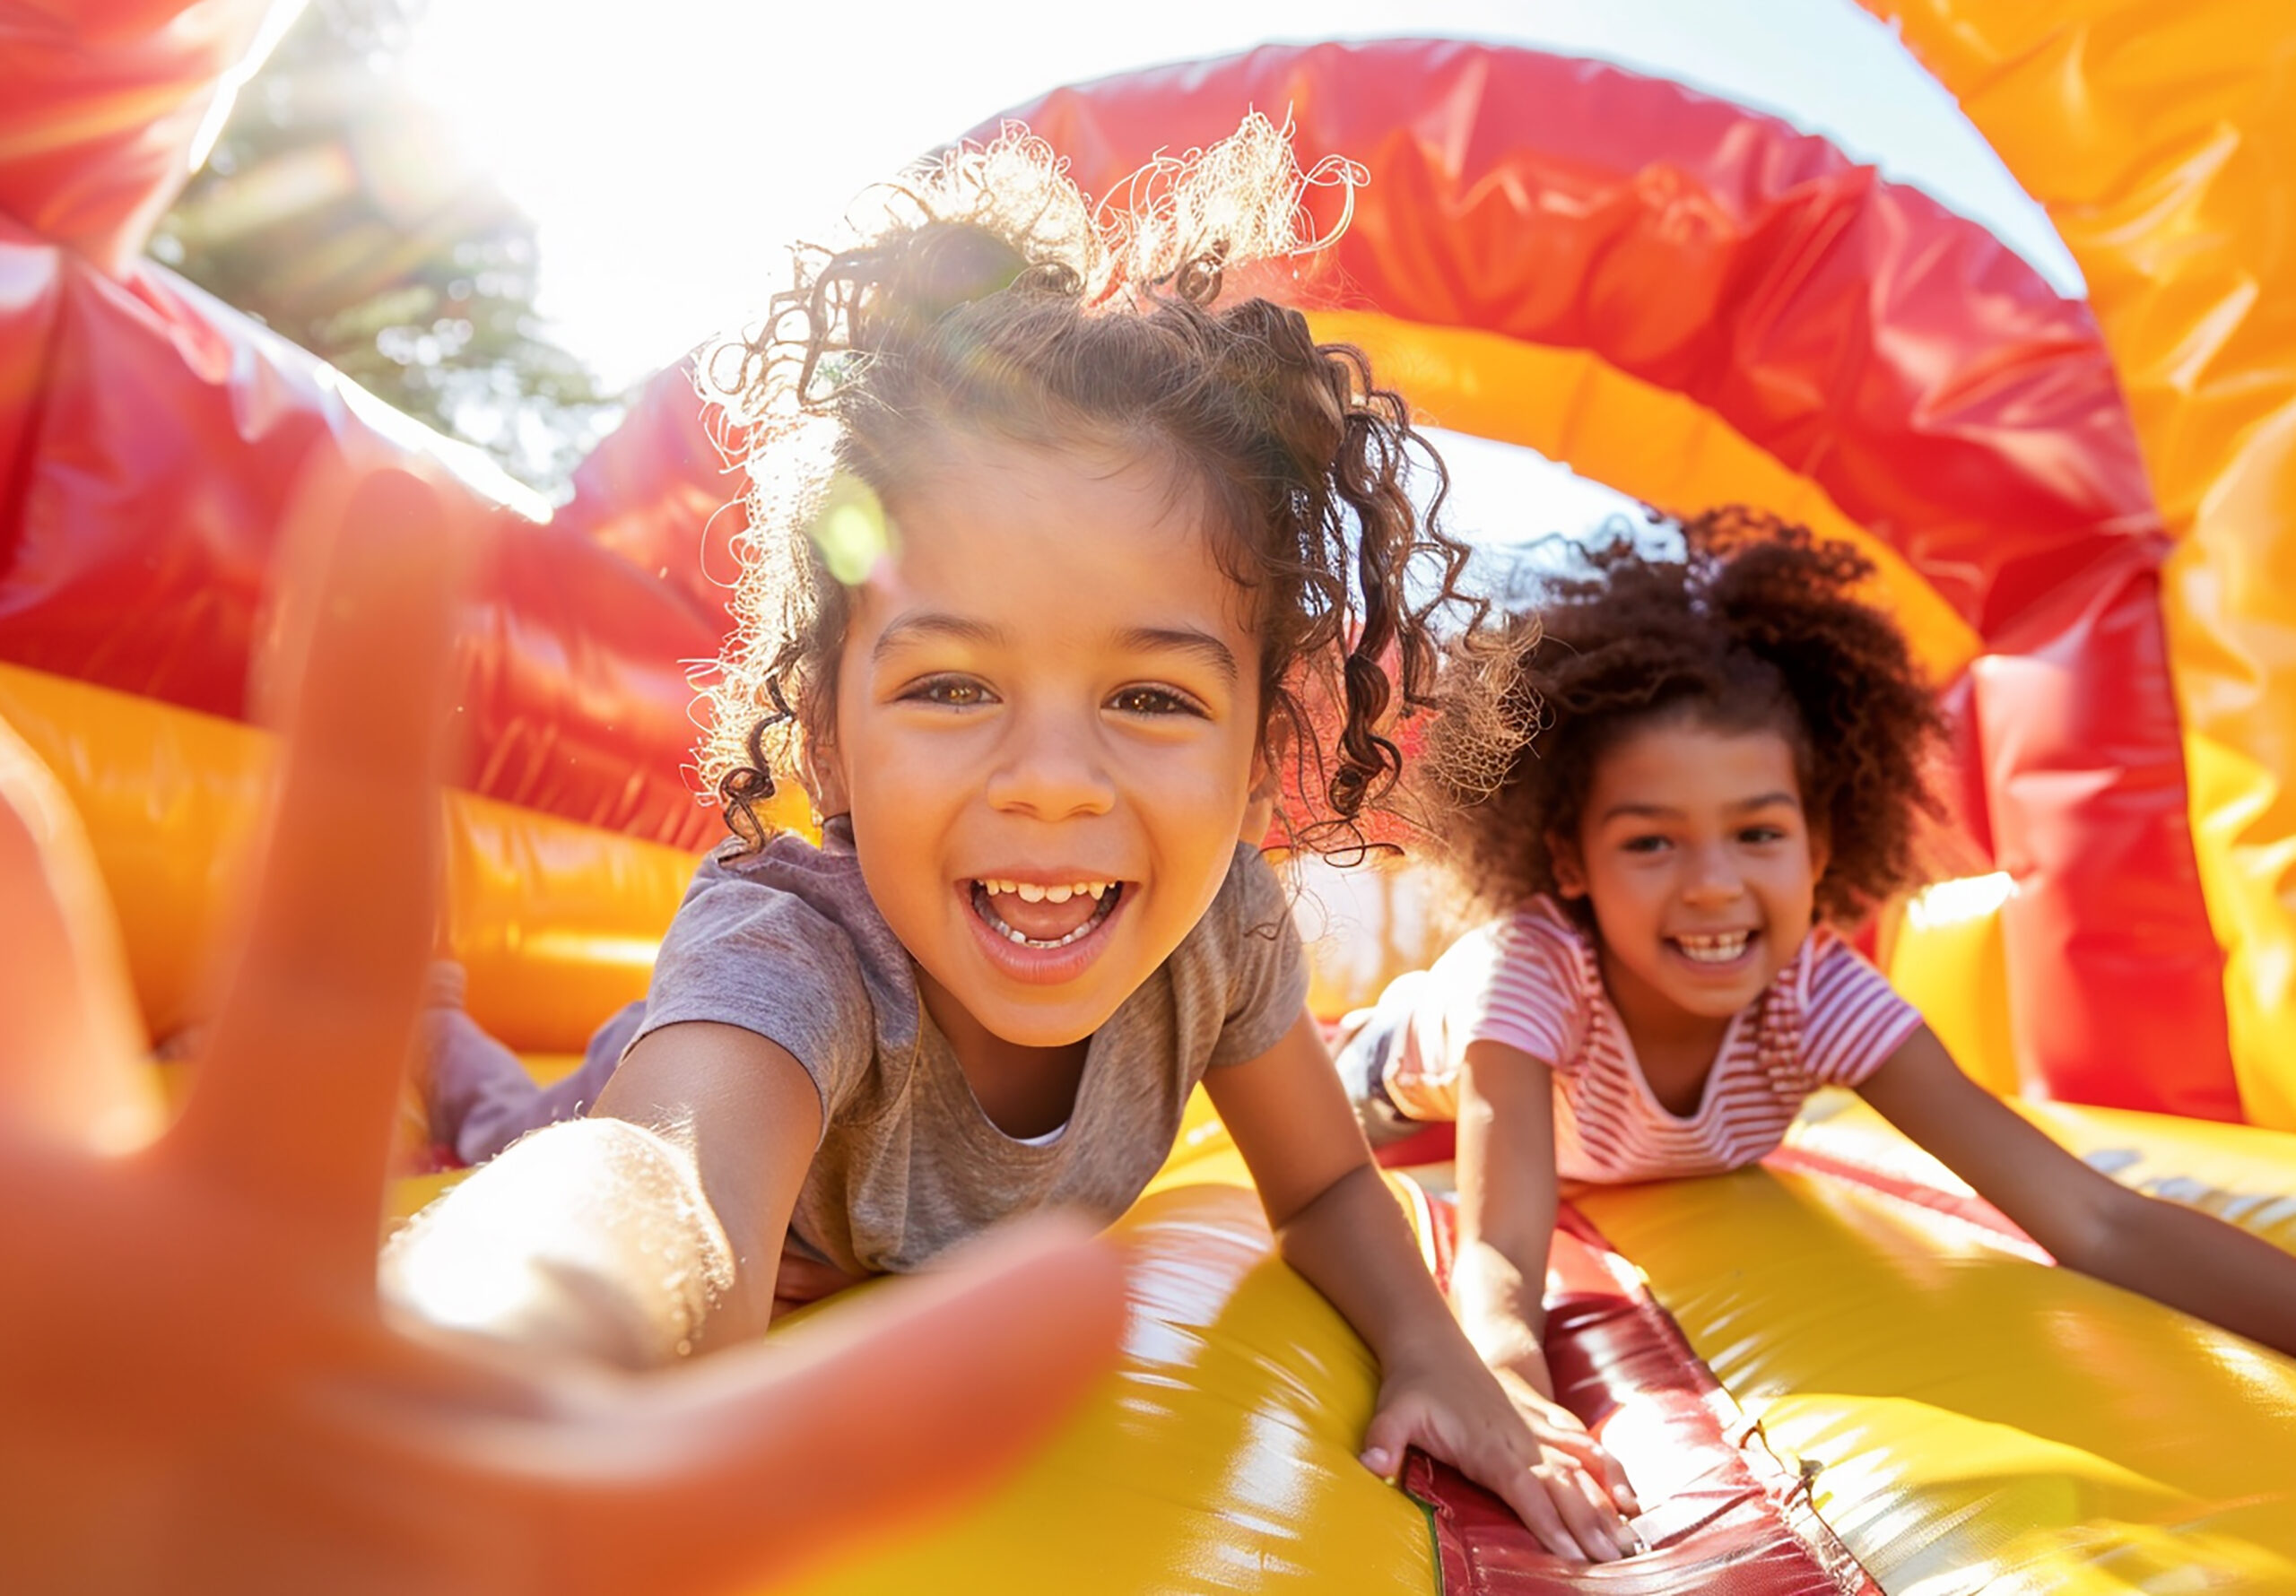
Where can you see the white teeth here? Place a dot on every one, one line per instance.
(1011, 935)
(1031, 892)
(1714, 950)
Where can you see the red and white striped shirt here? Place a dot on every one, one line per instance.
(1534, 982)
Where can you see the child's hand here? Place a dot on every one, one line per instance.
(1536, 1456)
(1558, 1428)
(210, 1397)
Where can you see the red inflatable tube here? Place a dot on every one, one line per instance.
(1936, 388)
(1729, 1517)
(2117, 981)
(663, 492)
(154, 436)
(101, 103)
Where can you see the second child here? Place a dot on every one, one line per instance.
(1716, 758)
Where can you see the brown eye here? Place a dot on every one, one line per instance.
(1153, 700)
(952, 693)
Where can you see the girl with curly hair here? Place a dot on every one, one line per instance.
(1059, 564)
(1705, 763)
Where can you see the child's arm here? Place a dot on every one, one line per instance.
(1506, 1207)
(640, 1234)
(1341, 1228)
(2172, 1253)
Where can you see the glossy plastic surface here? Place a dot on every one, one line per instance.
(1723, 1513)
(556, 922)
(1974, 1418)
(2158, 136)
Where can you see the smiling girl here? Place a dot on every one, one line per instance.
(1057, 565)
(1716, 758)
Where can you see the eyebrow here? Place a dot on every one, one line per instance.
(933, 623)
(1661, 811)
(1192, 642)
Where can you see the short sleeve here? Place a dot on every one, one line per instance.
(1855, 1019)
(1267, 984)
(1525, 990)
(743, 953)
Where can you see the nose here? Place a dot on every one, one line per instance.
(1050, 766)
(1713, 877)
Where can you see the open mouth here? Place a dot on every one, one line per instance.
(1033, 915)
(1722, 947)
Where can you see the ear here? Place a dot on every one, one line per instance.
(1260, 803)
(823, 769)
(1568, 864)
(1821, 855)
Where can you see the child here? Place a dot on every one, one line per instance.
(1716, 758)
(1071, 561)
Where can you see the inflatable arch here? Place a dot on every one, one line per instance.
(2084, 511)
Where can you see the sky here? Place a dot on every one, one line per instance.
(668, 158)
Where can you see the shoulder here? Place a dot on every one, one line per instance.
(788, 904)
(1837, 970)
(789, 883)
(1250, 910)
(1538, 941)
(1529, 980)
(1239, 977)
(785, 941)
(1251, 890)
(1853, 1019)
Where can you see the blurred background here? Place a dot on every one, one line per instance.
(502, 217)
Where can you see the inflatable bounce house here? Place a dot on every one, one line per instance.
(1836, 1372)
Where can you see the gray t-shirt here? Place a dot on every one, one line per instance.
(787, 944)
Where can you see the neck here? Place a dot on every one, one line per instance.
(1660, 1031)
(1024, 1091)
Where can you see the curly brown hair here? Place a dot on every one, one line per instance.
(1756, 625)
(995, 303)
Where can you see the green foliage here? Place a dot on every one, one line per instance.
(335, 209)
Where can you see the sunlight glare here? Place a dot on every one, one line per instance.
(670, 151)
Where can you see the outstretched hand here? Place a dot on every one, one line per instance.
(1531, 1454)
(199, 1389)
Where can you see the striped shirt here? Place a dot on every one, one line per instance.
(1534, 982)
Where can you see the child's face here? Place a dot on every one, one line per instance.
(1700, 867)
(1052, 690)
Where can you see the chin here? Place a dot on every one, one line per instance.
(1719, 1005)
(1027, 1028)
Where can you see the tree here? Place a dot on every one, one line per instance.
(335, 209)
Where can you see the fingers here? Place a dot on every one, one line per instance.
(1390, 1431)
(754, 1462)
(1615, 1484)
(295, 1096)
(1567, 1510)
(69, 1041)
(1537, 1498)
(1559, 1430)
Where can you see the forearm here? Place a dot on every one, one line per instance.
(2191, 1260)
(1352, 1244)
(1500, 1303)
(1507, 1210)
(591, 1237)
